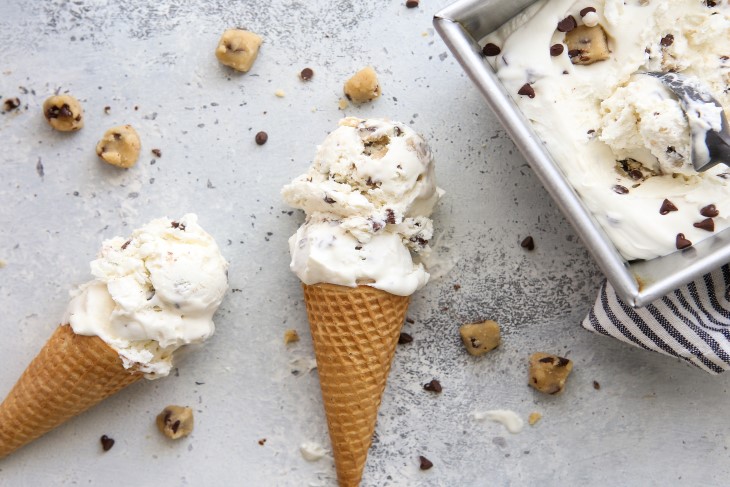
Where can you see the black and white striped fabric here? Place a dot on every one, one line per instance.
(692, 323)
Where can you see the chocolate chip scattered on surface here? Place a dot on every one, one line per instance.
(261, 138)
(106, 442)
(480, 338)
(175, 421)
(238, 49)
(433, 386)
(11, 104)
(618, 189)
(63, 113)
(548, 373)
(404, 338)
(528, 243)
(306, 74)
(424, 463)
(596, 385)
(412, 3)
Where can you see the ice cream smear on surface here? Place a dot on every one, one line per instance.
(368, 196)
(575, 69)
(152, 293)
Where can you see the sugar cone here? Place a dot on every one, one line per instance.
(69, 375)
(355, 332)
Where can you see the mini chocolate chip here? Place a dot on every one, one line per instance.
(106, 443)
(586, 11)
(635, 174)
(706, 224)
(376, 225)
(620, 189)
(107, 109)
(528, 243)
(328, 200)
(126, 244)
(175, 426)
(527, 90)
(709, 211)
(556, 49)
(490, 49)
(567, 24)
(117, 136)
(390, 216)
(262, 441)
(410, 320)
(667, 40)
(412, 4)
(306, 74)
(425, 463)
(596, 385)
(547, 360)
(667, 206)
(681, 242)
(433, 386)
(562, 362)
(11, 104)
(157, 152)
(457, 287)
(575, 52)
(65, 111)
(404, 338)
(261, 138)
(179, 225)
(711, 3)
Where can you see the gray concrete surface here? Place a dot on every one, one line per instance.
(654, 421)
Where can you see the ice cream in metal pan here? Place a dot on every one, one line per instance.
(638, 39)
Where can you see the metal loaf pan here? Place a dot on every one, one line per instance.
(462, 25)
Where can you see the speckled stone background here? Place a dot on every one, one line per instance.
(654, 421)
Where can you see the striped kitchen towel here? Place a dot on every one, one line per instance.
(691, 323)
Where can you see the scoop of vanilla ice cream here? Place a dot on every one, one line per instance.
(644, 121)
(368, 196)
(153, 293)
(374, 168)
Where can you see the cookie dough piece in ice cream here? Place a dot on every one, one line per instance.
(153, 293)
(368, 196)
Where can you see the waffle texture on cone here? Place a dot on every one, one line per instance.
(70, 374)
(355, 332)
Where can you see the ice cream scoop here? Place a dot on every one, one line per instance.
(708, 124)
(152, 294)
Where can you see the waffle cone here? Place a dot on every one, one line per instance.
(69, 375)
(355, 332)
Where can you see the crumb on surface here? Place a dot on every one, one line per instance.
(291, 336)
(280, 93)
(342, 104)
(534, 418)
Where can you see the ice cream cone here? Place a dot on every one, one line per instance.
(355, 332)
(70, 374)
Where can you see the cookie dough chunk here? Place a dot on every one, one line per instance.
(548, 373)
(120, 146)
(238, 49)
(291, 336)
(175, 422)
(363, 86)
(587, 45)
(63, 113)
(480, 338)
